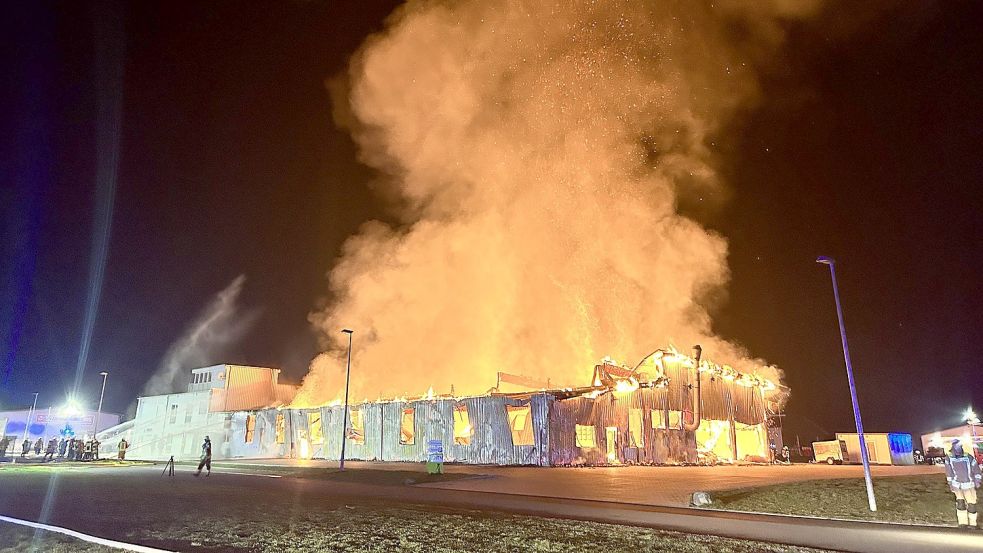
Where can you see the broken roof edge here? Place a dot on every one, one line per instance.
(559, 393)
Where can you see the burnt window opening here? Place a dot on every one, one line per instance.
(356, 429)
(635, 428)
(675, 420)
(250, 428)
(407, 427)
(314, 427)
(281, 427)
(462, 425)
(658, 419)
(585, 436)
(520, 423)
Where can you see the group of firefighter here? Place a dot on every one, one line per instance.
(67, 448)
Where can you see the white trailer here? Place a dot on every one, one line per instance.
(832, 452)
(884, 448)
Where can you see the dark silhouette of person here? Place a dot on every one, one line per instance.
(206, 457)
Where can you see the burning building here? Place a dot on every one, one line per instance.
(669, 409)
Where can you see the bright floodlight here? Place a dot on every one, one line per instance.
(825, 260)
(971, 417)
(70, 409)
(103, 373)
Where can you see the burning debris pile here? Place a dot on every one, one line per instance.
(535, 154)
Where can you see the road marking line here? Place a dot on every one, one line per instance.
(85, 537)
(251, 474)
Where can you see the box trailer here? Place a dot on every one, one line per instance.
(832, 452)
(890, 448)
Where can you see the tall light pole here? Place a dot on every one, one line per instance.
(104, 375)
(853, 387)
(344, 415)
(30, 415)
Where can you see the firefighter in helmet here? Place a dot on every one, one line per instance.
(963, 473)
(206, 457)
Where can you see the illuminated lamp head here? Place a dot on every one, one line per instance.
(70, 409)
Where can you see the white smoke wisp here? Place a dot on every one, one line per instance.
(537, 151)
(220, 324)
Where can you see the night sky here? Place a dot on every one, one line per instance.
(863, 146)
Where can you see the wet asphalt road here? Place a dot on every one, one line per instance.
(667, 486)
(102, 501)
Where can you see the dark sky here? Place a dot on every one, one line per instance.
(863, 147)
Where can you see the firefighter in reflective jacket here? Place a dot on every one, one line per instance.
(963, 473)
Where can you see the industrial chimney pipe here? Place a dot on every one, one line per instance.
(697, 405)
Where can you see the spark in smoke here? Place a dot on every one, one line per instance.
(537, 151)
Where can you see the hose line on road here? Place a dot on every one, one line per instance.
(84, 537)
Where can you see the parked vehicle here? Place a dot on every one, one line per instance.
(934, 456)
(832, 452)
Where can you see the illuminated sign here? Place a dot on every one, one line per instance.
(43, 418)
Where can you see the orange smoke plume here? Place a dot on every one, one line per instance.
(535, 152)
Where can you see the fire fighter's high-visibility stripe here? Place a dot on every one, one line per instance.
(85, 537)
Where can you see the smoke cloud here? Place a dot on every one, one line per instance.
(535, 153)
(221, 323)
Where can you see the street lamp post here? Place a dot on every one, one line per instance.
(30, 415)
(344, 415)
(104, 375)
(853, 387)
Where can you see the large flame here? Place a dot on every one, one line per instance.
(535, 153)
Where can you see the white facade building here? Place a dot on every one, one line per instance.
(967, 434)
(176, 424)
(54, 422)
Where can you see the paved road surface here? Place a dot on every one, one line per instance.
(669, 486)
(79, 501)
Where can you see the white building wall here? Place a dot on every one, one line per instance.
(943, 438)
(207, 378)
(47, 423)
(176, 424)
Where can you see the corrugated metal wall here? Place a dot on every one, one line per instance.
(659, 446)
(553, 422)
(245, 388)
(716, 394)
(264, 444)
(491, 440)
